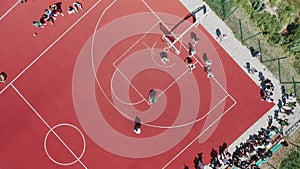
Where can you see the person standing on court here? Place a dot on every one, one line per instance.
(194, 38)
(137, 125)
(152, 96)
(190, 64)
(192, 51)
(164, 57)
(3, 77)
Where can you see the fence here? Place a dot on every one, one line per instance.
(272, 56)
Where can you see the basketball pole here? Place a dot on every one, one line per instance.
(177, 39)
(172, 44)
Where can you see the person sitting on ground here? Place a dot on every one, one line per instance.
(283, 122)
(50, 13)
(256, 54)
(3, 77)
(56, 8)
(48, 18)
(36, 23)
(71, 10)
(77, 5)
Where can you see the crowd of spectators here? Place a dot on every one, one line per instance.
(266, 88)
(247, 154)
(54, 10)
(261, 145)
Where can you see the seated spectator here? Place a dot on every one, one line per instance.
(283, 122)
(56, 8)
(256, 54)
(49, 13)
(48, 18)
(3, 77)
(36, 23)
(71, 10)
(77, 5)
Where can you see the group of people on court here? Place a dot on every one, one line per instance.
(189, 59)
(54, 10)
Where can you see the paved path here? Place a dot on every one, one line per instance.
(241, 55)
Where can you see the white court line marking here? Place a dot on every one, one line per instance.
(50, 128)
(93, 64)
(45, 144)
(50, 46)
(192, 122)
(186, 147)
(214, 80)
(120, 100)
(124, 76)
(160, 20)
(152, 55)
(11, 8)
(128, 81)
(114, 63)
(182, 44)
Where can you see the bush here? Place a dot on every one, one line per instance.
(292, 161)
(274, 2)
(221, 7)
(275, 38)
(267, 22)
(295, 46)
(285, 12)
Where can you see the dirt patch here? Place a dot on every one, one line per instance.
(276, 159)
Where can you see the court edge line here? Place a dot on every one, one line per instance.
(10, 9)
(186, 147)
(197, 61)
(94, 71)
(182, 44)
(43, 120)
(49, 47)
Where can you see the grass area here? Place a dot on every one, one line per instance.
(240, 19)
(282, 156)
(244, 26)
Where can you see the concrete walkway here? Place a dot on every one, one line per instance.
(241, 54)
